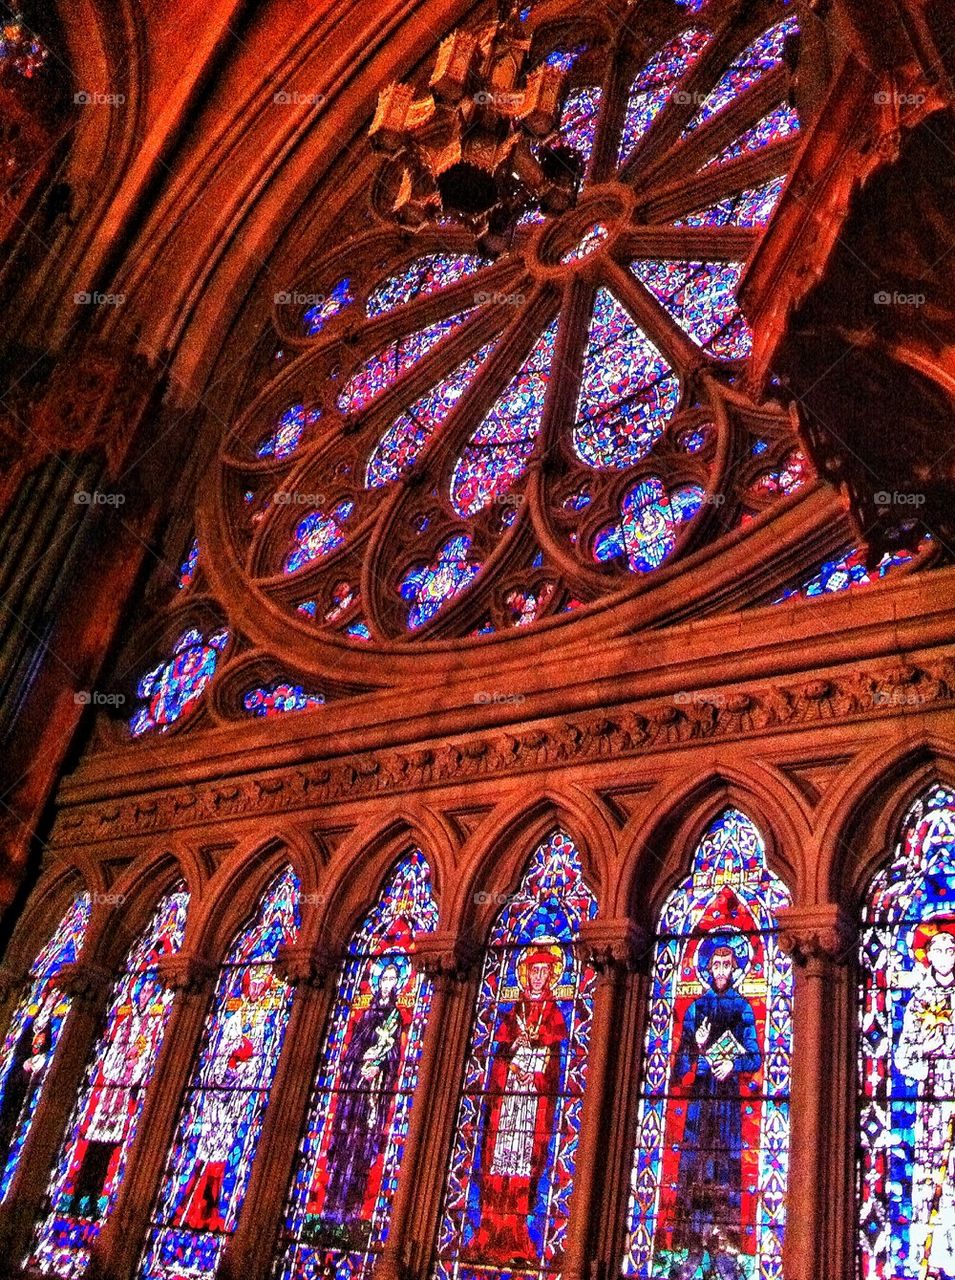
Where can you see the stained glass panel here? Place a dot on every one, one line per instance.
(627, 389)
(317, 316)
(176, 684)
(650, 518)
(347, 1169)
(187, 570)
(287, 435)
(92, 1161)
(385, 367)
(317, 536)
(654, 87)
(907, 1053)
(30, 1044)
(578, 121)
(845, 572)
(709, 1174)
(211, 1159)
(498, 452)
(422, 277)
(280, 697)
(750, 208)
(755, 61)
(512, 1164)
(701, 298)
(777, 124)
(429, 587)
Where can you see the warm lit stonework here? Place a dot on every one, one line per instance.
(477, 640)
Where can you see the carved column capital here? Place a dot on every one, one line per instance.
(822, 933)
(305, 966)
(444, 957)
(614, 947)
(187, 972)
(83, 981)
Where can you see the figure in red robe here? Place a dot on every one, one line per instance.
(519, 1111)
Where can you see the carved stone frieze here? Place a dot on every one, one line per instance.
(186, 971)
(83, 981)
(886, 689)
(822, 933)
(305, 966)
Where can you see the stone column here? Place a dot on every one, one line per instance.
(86, 984)
(612, 947)
(249, 1252)
(442, 959)
(116, 1253)
(820, 938)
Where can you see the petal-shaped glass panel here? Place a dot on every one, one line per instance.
(288, 432)
(429, 587)
(398, 448)
(424, 276)
(649, 519)
(578, 121)
(317, 316)
(385, 367)
(777, 124)
(498, 452)
(654, 86)
(627, 389)
(317, 536)
(750, 208)
(755, 61)
(701, 298)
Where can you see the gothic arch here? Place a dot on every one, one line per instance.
(45, 909)
(660, 848)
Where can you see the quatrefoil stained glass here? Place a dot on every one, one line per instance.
(441, 416)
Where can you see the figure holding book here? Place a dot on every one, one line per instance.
(717, 1046)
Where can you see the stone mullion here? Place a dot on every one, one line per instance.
(87, 986)
(439, 959)
(441, 1106)
(819, 938)
(116, 1253)
(251, 1249)
(612, 947)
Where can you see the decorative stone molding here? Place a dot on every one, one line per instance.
(842, 696)
(614, 947)
(821, 932)
(305, 966)
(83, 981)
(444, 957)
(186, 972)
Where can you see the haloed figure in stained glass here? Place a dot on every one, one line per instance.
(718, 1044)
(520, 1103)
(926, 1055)
(370, 1069)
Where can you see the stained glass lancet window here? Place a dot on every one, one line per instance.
(208, 1169)
(34, 1032)
(512, 1165)
(340, 1205)
(92, 1161)
(709, 1172)
(907, 1053)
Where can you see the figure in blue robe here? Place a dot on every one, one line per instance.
(717, 1047)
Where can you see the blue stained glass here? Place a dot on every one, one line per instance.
(588, 243)
(907, 1052)
(565, 58)
(280, 697)
(30, 1044)
(424, 276)
(347, 1169)
(578, 121)
(627, 389)
(187, 570)
(777, 124)
(358, 630)
(497, 454)
(701, 298)
(399, 447)
(385, 367)
(21, 50)
(844, 573)
(710, 1166)
(287, 435)
(219, 1126)
(317, 316)
(429, 587)
(317, 536)
(750, 208)
(654, 86)
(755, 61)
(176, 684)
(650, 518)
(512, 1165)
(92, 1162)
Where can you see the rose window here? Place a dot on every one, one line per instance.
(457, 445)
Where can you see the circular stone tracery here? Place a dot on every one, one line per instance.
(457, 447)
